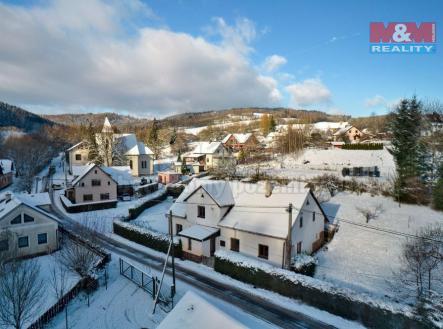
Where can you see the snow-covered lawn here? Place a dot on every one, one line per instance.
(124, 305)
(46, 264)
(101, 220)
(313, 162)
(154, 218)
(364, 259)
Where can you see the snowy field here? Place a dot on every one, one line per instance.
(314, 162)
(154, 218)
(364, 259)
(124, 305)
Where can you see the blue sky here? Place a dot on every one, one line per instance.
(321, 56)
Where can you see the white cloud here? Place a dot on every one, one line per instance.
(376, 101)
(272, 63)
(309, 92)
(88, 55)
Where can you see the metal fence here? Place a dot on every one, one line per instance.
(147, 282)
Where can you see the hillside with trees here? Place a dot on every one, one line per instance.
(16, 117)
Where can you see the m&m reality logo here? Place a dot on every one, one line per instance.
(395, 38)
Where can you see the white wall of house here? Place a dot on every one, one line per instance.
(78, 152)
(311, 230)
(85, 187)
(213, 213)
(41, 224)
(249, 244)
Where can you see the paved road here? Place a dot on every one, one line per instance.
(247, 302)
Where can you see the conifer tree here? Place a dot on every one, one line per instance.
(405, 127)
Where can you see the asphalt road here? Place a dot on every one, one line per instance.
(249, 303)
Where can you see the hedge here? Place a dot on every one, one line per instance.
(135, 212)
(320, 294)
(369, 146)
(153, 240)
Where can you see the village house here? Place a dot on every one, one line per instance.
(433, 124)
(92, 189)
(348, 134)
(253, 219)
(137, 155)
(238, 142)
(6, 167)
(26, 228)
(168, 177)
(205, 156)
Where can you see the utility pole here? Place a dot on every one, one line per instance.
(172, 254)
(289, 239)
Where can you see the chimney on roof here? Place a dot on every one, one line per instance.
(107, 128)
(268, 189)
(8, 196)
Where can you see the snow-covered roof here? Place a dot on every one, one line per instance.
(130, 144)
(194, 311)
(205, 148)
(325, 125)
(74, 146)
(121, 174)
(107, 128)
(81, 171)
(342, 130)
(254, 212)
(6, 165)
(240, 138)
(199, 232)
(36, 199)
(17, 200)
(219, 191)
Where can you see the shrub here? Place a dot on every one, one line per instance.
(135, 212)
(320, 294)
(367, 147)
(153, 240)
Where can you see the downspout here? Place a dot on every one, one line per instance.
(289, 239)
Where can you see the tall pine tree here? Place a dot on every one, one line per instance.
(408, 153)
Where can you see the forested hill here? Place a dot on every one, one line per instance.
(13, 116)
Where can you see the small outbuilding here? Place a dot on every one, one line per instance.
(168, 177)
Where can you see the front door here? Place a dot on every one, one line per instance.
(212, 247)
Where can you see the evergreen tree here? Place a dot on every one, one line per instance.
(437, 193)
(92, 146)
(272, 124)
(153, 140)
(405, 129)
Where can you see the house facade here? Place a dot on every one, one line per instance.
(238, 142)
(26, 229)
(252, 219)
(349, 133)
(196, 214)
(205, 156)
(6, 173)
(92, 186)
(134, 153)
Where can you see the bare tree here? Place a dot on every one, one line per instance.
(59, 278)
(21, 291)
(422, 261)
(370, 213)
(78, 258)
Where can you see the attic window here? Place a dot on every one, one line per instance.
(307, 202)
(95, 171)
(202, 195)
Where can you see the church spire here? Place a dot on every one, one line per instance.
(107, 128)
